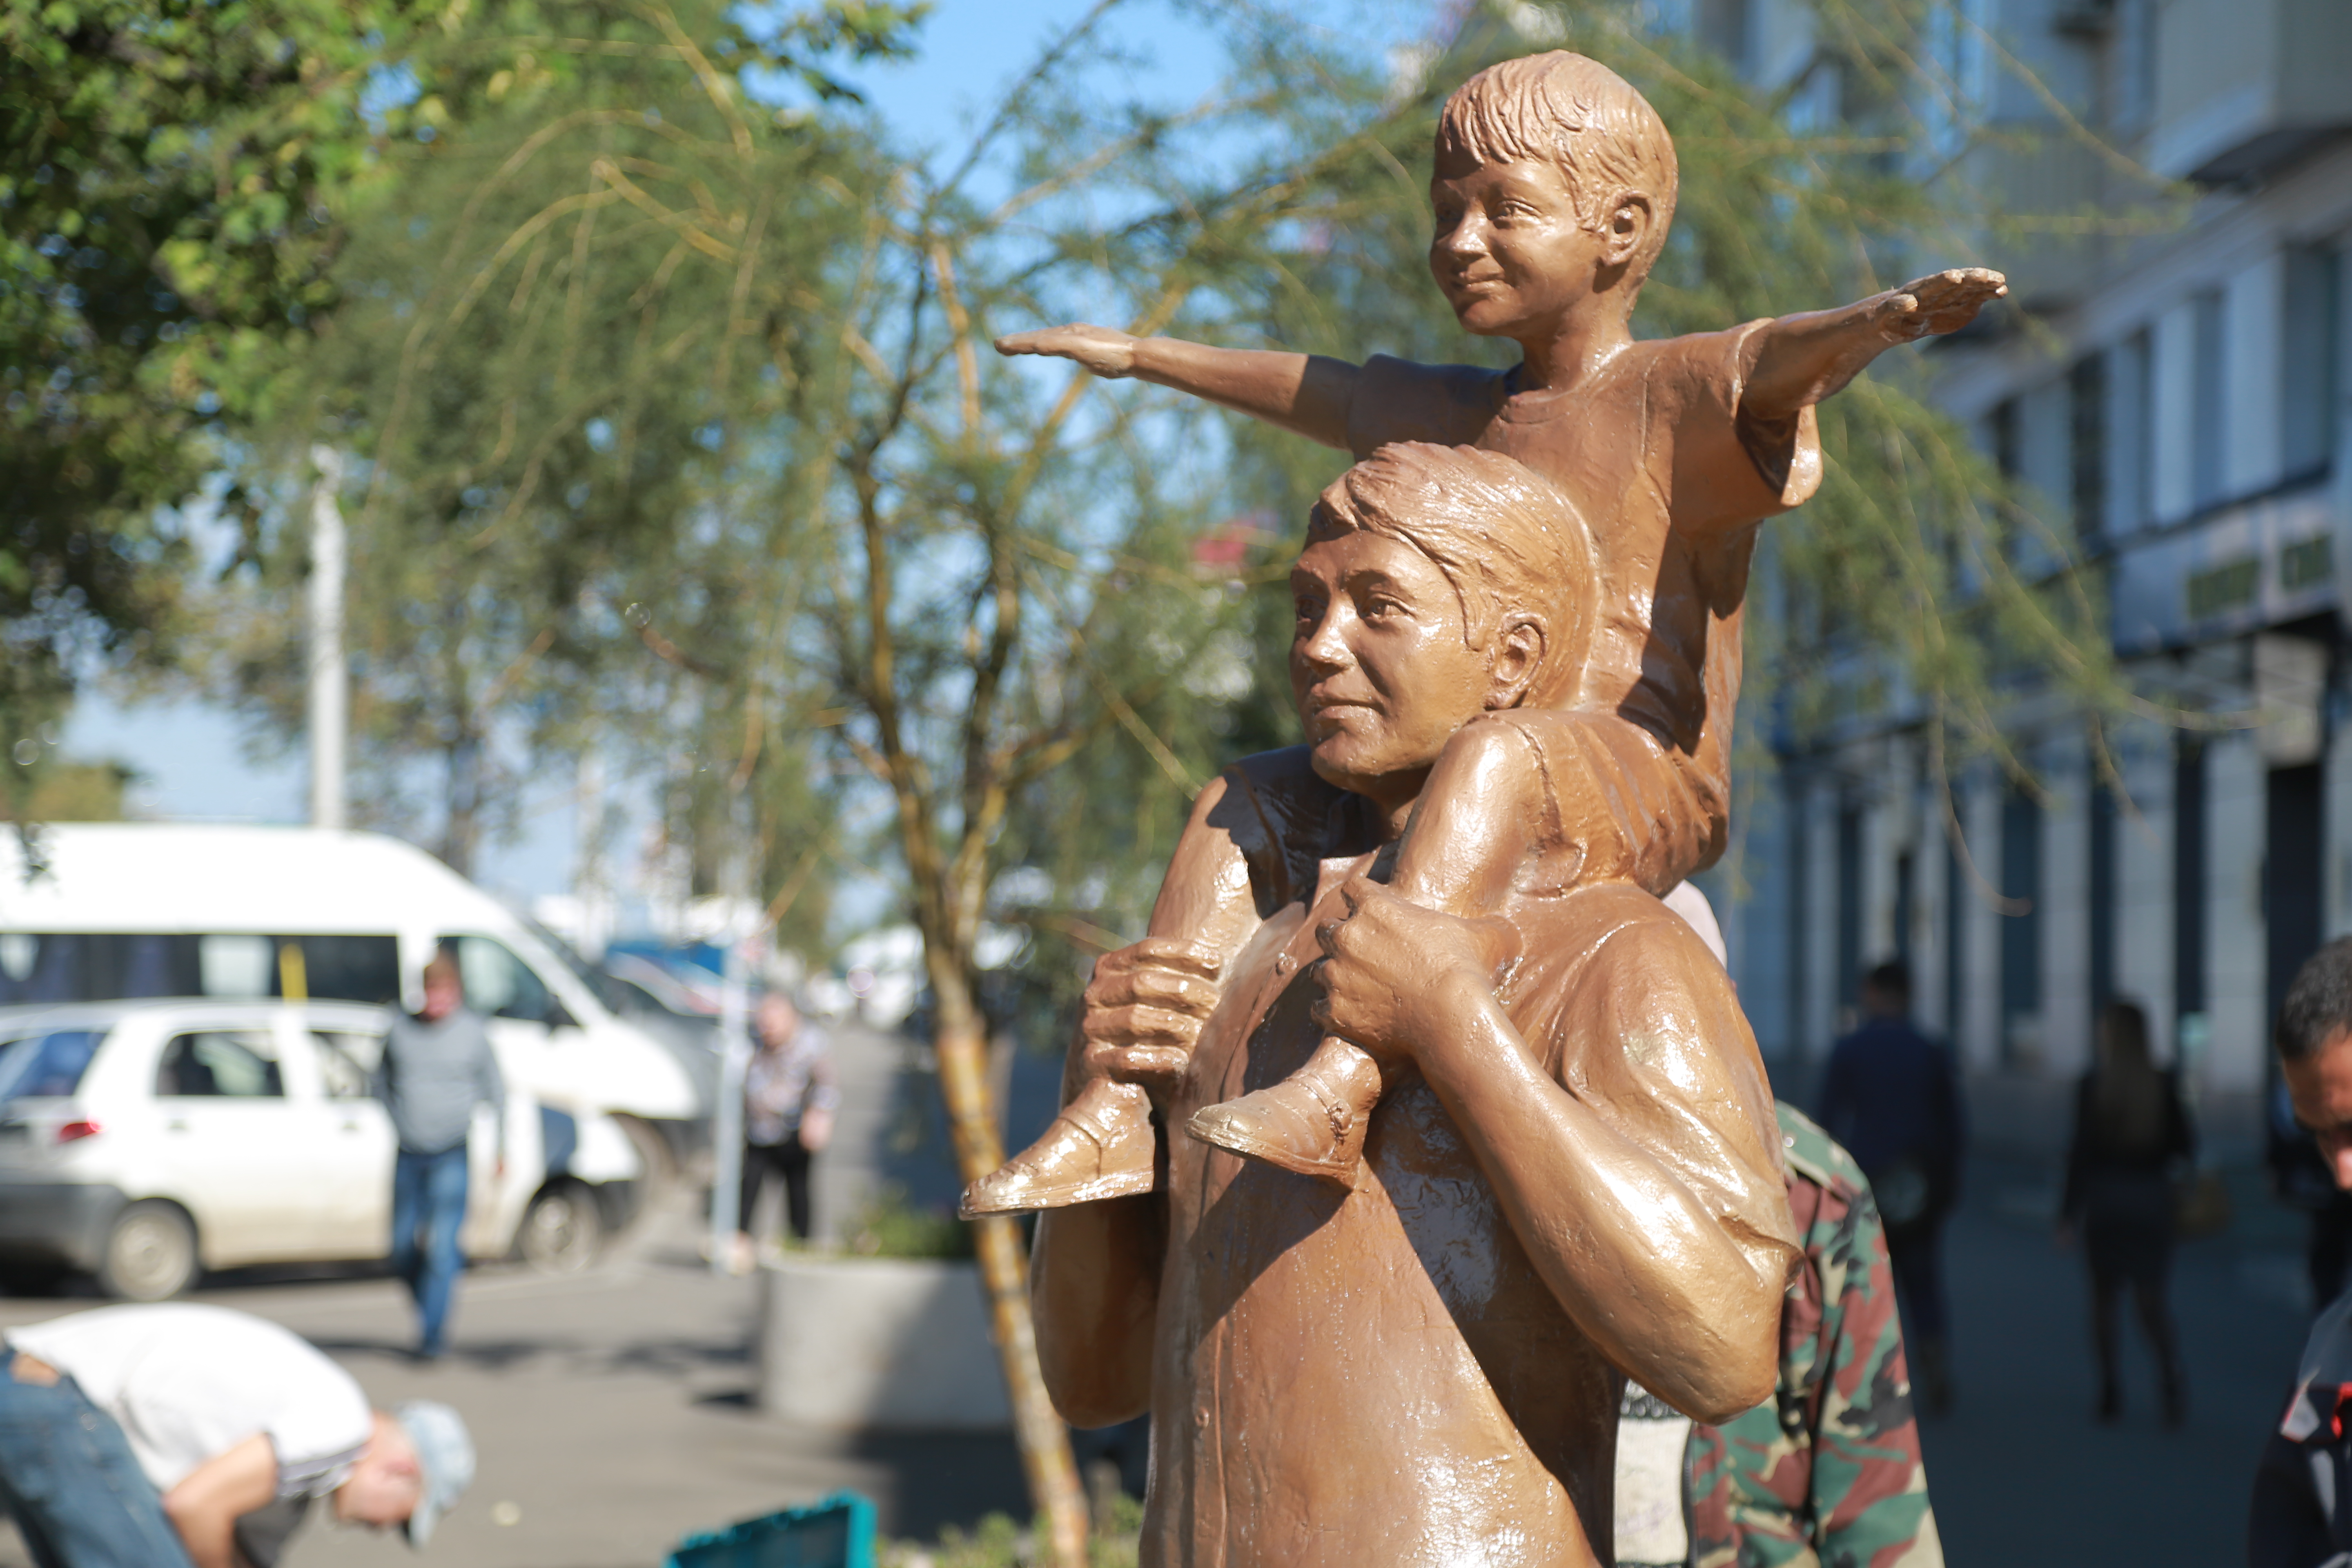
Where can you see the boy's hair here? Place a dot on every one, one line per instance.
(1578, 114)
(2318, 1004)
(1505, 538)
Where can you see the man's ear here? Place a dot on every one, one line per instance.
(1519, 654)
(1628, 225)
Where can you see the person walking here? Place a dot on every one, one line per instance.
(2131, 1129)
(191, 1437)
(437, 1065)
(1891, 1096)
(789, 1098)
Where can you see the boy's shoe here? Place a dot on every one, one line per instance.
(1311, 1123)
(1101, 1146)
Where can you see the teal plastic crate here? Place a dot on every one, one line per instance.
(837, 1532)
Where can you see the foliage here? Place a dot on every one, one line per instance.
(172, 180)
(998, 1541)
(72, 792)
(887, 1226)
(565, 542)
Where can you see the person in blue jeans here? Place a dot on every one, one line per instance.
(437, 1067)
(195, 1437)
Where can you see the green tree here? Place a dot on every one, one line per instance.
(173, 183)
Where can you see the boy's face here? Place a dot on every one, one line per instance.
(1507, 252)
(1380, 663)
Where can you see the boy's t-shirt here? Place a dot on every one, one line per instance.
(1671, 478)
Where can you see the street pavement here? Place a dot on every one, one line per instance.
(612, 1414)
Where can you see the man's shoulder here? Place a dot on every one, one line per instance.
(1815, 1155)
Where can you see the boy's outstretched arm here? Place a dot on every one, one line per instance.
(1800, 360)
(1306, 394)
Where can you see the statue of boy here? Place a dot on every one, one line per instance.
(1553, 190)
(1574, 1176)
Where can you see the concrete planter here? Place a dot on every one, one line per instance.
(886, 1344)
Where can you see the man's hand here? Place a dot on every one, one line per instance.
(1392, 969)
(1104, 351)
(1145, 1009)
(816, 1128)
(1938, 303)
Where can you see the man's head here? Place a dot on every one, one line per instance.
(2314, 1046)
(778, 1018)
(1887, 990)
(445, 985)
(1553, 191)
(1438, 583)
(417, 1463)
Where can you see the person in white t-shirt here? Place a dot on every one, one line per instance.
(178, 1433)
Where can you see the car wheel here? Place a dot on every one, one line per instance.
(151, 1253)
(562, 1231)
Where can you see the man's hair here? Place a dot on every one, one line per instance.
(1891, 979)
(1577, 113)
(2319, 1003)
(1503, 536)
(444, 961)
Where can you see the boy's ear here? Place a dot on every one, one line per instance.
(1519, 654)
(1629, 216)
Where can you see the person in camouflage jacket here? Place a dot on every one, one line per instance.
(1827, 1471)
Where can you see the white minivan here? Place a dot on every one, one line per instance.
(104, 911)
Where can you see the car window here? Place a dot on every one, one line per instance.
(237, 1064)
(344, 1060)
(498, 983)
(35, 1066)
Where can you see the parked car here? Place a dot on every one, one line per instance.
(145, 1141)
(142, 910)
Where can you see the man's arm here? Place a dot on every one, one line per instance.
(1308, 395)
(1680, 1289)
(1800, 360)
(209, 1500)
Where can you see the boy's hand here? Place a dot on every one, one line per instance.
(1104, 351)
(1938, 303)
(1145, 1009)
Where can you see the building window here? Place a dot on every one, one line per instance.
(2206, 390)
(2308, 354)
(2130, 414)
(2021, 933)
(2086, 448)
(2188, 880)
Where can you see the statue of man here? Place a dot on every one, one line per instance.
(1575, 1175)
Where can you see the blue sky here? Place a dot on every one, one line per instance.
(193, 756)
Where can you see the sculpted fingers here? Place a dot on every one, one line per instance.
(1100, 350)
(1136, 1064)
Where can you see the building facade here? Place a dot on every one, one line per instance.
(2180, 395)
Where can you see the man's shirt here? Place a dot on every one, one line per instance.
(1890, 1096)
(189, 1383)
(2303, 1487)
(434, 1074)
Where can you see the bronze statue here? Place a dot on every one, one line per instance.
(1545, 1144)
(1553, 193)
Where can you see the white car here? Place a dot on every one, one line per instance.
(145, 1141)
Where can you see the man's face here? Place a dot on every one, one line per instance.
(778, 1019)
(1507, 252)
(1379, 664)
(386, 1484)
(442, 991)
(2320, 1085)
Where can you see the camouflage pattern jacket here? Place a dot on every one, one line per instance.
(1827, 1472)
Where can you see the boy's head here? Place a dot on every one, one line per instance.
(1575, 116)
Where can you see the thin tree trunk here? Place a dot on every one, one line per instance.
(1044, 1441)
